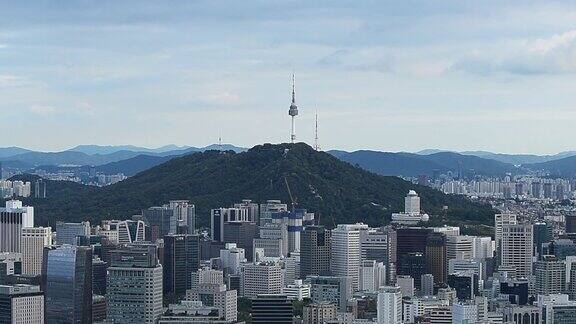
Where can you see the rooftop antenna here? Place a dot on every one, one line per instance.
(316, 145)
(220, 140)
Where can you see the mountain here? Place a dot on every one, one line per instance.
(565, 167)
(11, 151)
(132, 166)
(108, 149)
(515, 159)
(411, 165)
(335, 190)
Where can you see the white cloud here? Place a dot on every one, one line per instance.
(42, 110)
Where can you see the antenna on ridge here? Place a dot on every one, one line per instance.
(316, 144)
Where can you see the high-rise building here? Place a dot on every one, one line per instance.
(243, 234)
(372, 275)
(334, 290)
(411, 239)
(294, 221)
(345, 252)
(550, 275)
(10, 264)
(379, 244)
(67, 233)
(499, 221)
(181, 259)
(32, 243)
(253, 210)
(436, 253)
(21, 304)
(272, 309)
(319, 313)
(134, 285)
(406, 284)
(465, 284)
(262, 278)
(389, 305)
(13, 218)
(232, 258)
(270, 208)
(315, 251)
(464, 313)
(277, 232)
(413, 265)
(185, 214)
(124, 232)
(216, 295)
(542, 234)
(460, 247)
(556, 308)
(99, 275)
(161, 220)
(412, 214)
(516, 248)
(427, 284)
(221, 216)
(68, 295)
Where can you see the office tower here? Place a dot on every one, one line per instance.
(161, 220)
(32, 243)
(276, 232)
(542, 234)
(550, 275)
(252, 209)
(291, 268)
(294, 221)
(181, 258)
(67, 233)
(460, 247)
(372, 275)
(389, 305)
(243, 234)
(465, 284)
(570, 220)
(216, 295)
(10, 264)
(414, 265)
(21, 304)
(272, 309)
(319, 313)
(427, 284)
(232, 258)
(221, 216)
(185, 214)
(516, 290)
(98, 308)
(476, 266)
(262, 278)
(406, 284)
(134, 285)
(345, 252)
(436, 257)
(269, 208)
(482, 248)
(99, 274)
(68, 295)
(516, 249)
(124, 232)
(464, 313)
(13, 218)
(206, 276)
(499, 221)
(315, 251)
(411, 239)
(379, 244)
(556, 308)
(334, 290)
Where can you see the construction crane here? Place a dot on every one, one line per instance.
(294, 203)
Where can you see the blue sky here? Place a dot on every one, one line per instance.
(385, 75)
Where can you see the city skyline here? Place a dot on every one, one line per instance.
(382, 76)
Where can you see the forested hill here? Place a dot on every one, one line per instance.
(337, 190)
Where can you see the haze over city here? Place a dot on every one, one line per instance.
(382, 75)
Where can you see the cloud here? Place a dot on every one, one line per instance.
(11, 81)
(42, 110)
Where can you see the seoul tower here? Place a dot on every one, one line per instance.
(293, 111)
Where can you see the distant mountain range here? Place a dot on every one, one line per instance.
(411, 165)
(516, 159)
(336, 191)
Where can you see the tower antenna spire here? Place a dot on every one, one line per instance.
(316, 145)
(293, 111)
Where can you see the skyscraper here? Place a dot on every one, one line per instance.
(389, 305)
(516, 248)
(345, 252)
(68, 271)
(161, 220)
(499, 221)
(550, 275)
(379, 244)
(272, 309)
(134, 285)
(262, 278)
(185, 213)
(21, 304)
(13, 218)
(315, 251)
(436, 261)
(67, 233)
(242, 233)
(181, 258)
(32, 243)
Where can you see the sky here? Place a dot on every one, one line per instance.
(382, 75)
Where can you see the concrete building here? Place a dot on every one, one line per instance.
(232, 257)
(272, 309)
(315, 251)
(278, 233)
(181, 259)
(436, 256)
(556, 308)
(464, 313)
(298, 290)
(389, 305)
(134, 285)
(345, 252)
(262, 278)
(13, 218)
(216, 295)
(21, 304)
(372, 276)
(460, 247)
(406, 284)
(517, 248)
(319, 313)
(550, 275)
(499, 221)
(67, 233)
(412, 214)
(379, 244)
(335, 290)
(32, 243)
